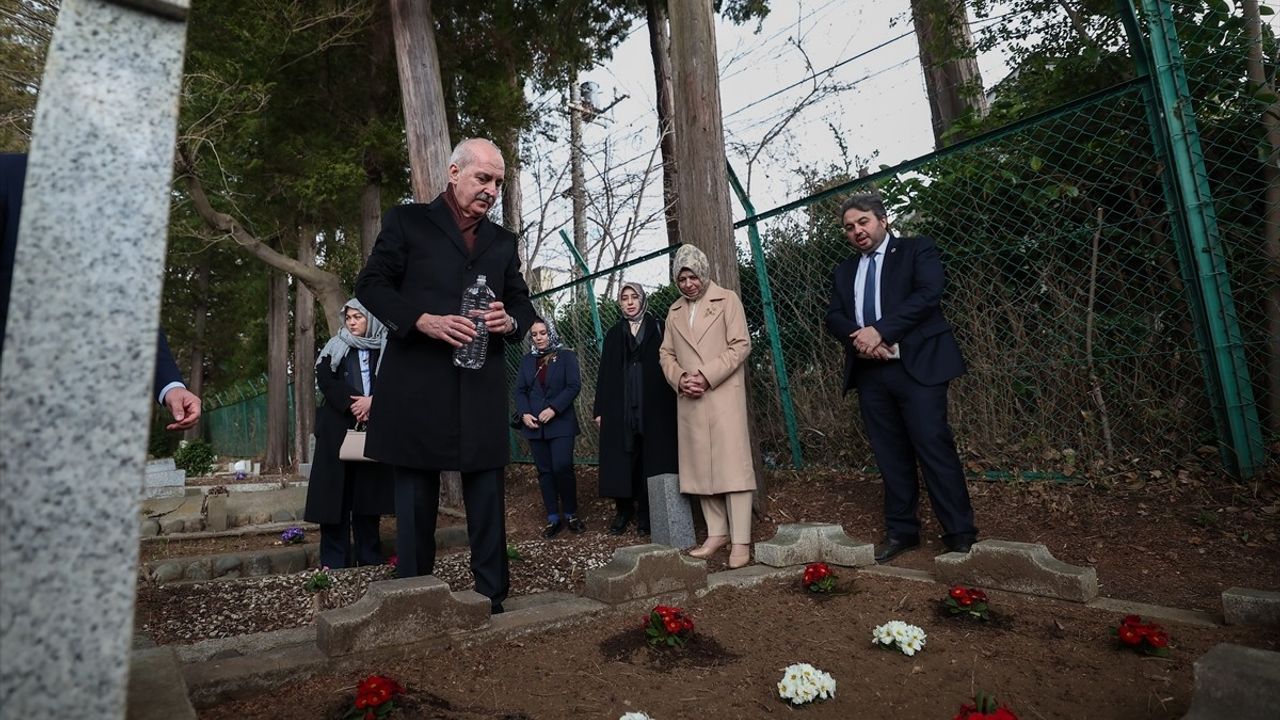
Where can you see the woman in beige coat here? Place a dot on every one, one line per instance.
(702, 354)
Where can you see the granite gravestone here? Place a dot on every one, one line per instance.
(75, 384)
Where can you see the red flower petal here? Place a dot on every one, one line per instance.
(1128, 635)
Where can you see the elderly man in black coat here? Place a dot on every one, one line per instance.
(430, 415)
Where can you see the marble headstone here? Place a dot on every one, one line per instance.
(89, 262)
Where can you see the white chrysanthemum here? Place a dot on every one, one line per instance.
(635, 716)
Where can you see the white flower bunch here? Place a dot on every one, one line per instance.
(803, 683)
(634, 716)
(908, 638)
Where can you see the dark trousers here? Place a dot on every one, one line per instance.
(418, 501)
(554, 458)
(638, 503)
(906, 423)
(336, 550)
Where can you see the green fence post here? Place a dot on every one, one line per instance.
(770, 323)
(591, 289)
(1196, 226)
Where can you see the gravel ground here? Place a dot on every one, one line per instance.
(191, 612)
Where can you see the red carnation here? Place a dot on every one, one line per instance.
(965, 601)
(1158, 639)
(977, 595)
(958, 592)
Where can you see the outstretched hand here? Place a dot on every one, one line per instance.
(185, 407)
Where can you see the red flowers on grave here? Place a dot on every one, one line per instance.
(375, 698)
(819, 578)
(984, 707)
(1146, 638)
(668, 626)
(969, 602)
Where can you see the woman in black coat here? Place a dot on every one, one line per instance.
(548, 383)
(635, 409)
(346, 498)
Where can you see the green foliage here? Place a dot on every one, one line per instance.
(319, 581)
(196, 457)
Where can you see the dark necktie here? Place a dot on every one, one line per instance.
(869, 293)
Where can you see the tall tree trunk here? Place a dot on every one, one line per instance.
(947, 57)
(512, 196)
(370, 213)
(1271, 210)
(304, 352)
(375, 101)
(277, 455)
(577, 179)
(199, 319)
(422, 96)
(703, 210)
(660, 48)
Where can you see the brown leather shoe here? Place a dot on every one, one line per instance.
(739, 556)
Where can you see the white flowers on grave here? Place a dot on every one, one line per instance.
(803, 683)
(908, 638)
(634, 716)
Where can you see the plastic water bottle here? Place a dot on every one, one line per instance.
(475, 303)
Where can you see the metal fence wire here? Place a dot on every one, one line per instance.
(1113, 268)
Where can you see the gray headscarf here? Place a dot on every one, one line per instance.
(694, 260)
(374, 338)
(553, 346)
(644, 300)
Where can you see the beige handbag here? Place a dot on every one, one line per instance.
(352, 449)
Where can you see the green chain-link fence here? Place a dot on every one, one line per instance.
(235, 421)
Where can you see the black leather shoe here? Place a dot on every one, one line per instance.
(576, 525)
(496, 609)
(552, 529)
(891, 547)
(642, 528)
(959, 543)
(619, 524)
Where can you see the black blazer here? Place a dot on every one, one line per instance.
(564, 382)
(657, 415)
(911, 285)
(429, 414)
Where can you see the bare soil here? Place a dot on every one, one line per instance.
(1177, 538)
(1045, 659)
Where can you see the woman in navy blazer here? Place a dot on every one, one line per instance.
(548, 384)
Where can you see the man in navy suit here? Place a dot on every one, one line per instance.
(900, 354)
(170, 391)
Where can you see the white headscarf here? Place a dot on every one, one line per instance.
(374, 338)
